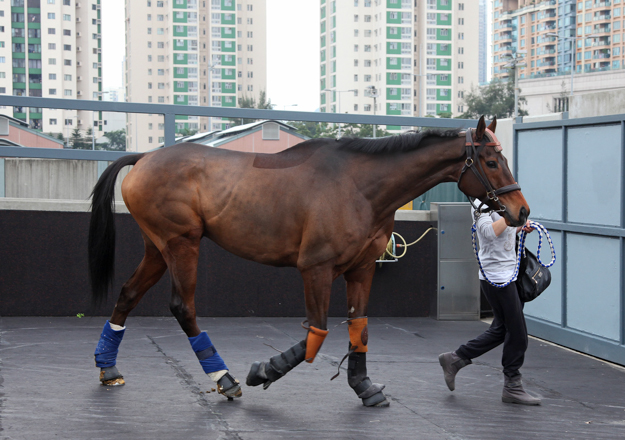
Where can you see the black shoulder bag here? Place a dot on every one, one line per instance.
(533, 277)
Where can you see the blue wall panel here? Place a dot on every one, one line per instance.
(547, 306)
(539, 165)
(594, 175)
(593, 285)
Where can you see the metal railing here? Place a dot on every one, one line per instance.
(170, 111)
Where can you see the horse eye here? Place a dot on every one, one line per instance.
(491, 164)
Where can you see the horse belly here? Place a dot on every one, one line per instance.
(257, 232)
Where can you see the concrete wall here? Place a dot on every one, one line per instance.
(598, 104)
(540, 93)
(53, 178)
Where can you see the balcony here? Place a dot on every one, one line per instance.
(602, 17)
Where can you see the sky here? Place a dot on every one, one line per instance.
(292, 51)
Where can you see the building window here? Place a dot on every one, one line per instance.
(52, 122)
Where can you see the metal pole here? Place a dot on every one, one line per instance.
(516, 91)
(210, 102)
(93, 130)
(339, 92)
(374, 107)
(573, 53)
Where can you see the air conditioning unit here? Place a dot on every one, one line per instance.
(79, 78)
(79, 93)
(79, 34)
(78, 63)
(78, 49)
(78, 19)
(80, 122)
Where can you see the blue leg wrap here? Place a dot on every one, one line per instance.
(207, 354)
(106, 351)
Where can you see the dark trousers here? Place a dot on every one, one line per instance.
(508, 327)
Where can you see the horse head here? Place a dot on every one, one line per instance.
(490, 181)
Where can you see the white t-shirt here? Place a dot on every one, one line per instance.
(497, 254)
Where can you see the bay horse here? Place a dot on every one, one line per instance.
(324, 206)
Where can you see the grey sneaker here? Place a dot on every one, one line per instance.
(513, 392)
(452, 363)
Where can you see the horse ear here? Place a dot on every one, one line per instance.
(481, 127)
(493, 124)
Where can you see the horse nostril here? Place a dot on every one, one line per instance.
(523, 214)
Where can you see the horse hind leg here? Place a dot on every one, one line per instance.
(149, 271)
(317, 289)
(182, 255)
(358, 288)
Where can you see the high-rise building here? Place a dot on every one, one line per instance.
(191, 52)
(417, 57)
(483, 44)
(51, 49)
(555, 35)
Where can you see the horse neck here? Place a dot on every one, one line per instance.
(391, 181)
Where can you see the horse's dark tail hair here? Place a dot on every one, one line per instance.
(102, 229)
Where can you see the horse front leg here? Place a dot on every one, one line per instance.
(358, 288)
(181, 255)
(317, 289)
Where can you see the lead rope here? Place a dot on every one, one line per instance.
(539, 228)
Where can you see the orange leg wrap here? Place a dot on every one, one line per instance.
(313, 342)
(358, 334)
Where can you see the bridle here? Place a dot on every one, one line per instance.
(488, 140)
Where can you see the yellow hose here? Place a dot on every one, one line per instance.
(389, 246)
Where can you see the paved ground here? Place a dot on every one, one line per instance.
(50, 386)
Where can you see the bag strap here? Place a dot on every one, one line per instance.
(521, 251)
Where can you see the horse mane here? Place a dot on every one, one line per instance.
(394, 144)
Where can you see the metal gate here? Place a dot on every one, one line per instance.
(572, 173)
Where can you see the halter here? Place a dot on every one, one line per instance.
(488, 140)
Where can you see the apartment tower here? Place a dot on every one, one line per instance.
(191, 52)
(54, 51)
(417, 57)
(553, 36)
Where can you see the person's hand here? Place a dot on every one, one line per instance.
(527, 228)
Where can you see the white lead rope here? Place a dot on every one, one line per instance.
(539, 228)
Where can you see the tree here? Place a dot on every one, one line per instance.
(314, 129)
(186, 132)
(250, 102)
(324, 129)
(117, 140)
(363, 130)
(496, 99)
(78, 142)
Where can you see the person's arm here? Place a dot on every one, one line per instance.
(499, 226)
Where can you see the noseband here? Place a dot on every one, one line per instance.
(488, 140)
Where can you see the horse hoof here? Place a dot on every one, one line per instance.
(256, 375)
(230, 393)
(113, 382)
(378, 400)
(110, 377)
(229, 387)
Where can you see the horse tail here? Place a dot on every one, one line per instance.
(102, 229)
